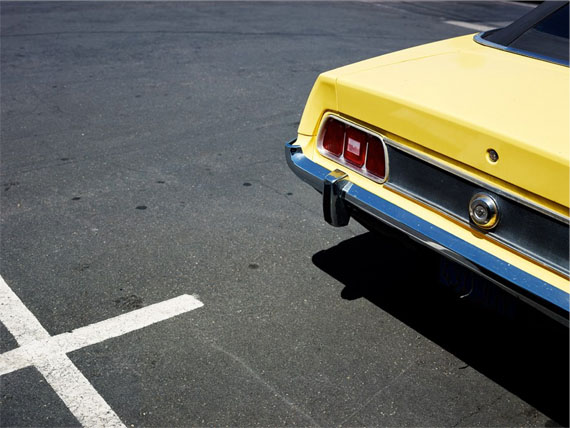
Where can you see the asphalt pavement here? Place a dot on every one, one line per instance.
(142, 163)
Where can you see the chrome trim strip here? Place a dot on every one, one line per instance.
(436, 238)
(475, 181)
(439, 164)
(492, 236)
(479, 39)
(341, 160)
(306, 170)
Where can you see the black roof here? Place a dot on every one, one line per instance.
(541, 33)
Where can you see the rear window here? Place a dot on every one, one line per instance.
(542, 33)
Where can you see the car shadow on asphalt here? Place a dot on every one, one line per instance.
(520, 349)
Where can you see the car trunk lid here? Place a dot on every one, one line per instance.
(462, 99)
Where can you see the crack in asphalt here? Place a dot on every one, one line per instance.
(381, 390)
(477, 410)
(262, 381)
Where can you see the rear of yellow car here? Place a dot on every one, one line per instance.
(461, 145)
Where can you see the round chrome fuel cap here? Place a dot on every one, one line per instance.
(483, 211)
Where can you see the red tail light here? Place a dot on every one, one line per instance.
(333, 137)
(355, 146)
(352, 146)
(376, 162)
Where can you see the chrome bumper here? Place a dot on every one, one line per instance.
(340, 197)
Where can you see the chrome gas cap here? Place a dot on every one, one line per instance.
(483, 211)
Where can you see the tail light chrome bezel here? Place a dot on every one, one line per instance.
(342, 160)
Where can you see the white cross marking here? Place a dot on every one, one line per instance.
(48, 354)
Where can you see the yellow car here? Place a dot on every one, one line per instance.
(462, 144)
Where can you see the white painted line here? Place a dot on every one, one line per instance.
(90, 409)
(19, 321)
(33, 352)
(471, 25)
(48, 353)
(126, 323)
